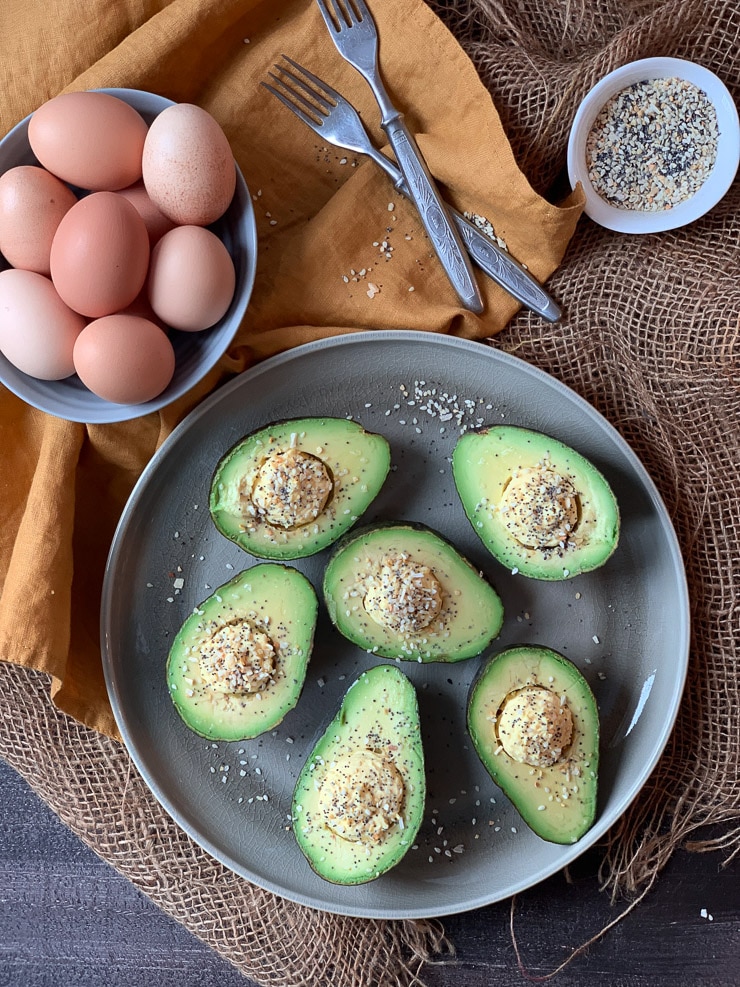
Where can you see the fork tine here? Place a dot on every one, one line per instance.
(332, 18)
(346, 12)
(291, 84)
(343, 14)
(311, 116)
(359, 9)
(319, 85)
(309, 121)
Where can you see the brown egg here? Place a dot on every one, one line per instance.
(37, 330)
(124, 359)
(100, 255)
(188, 165)
(141, 306)
(157, 224)
(191, 278)
(32, 203)
(89, 139)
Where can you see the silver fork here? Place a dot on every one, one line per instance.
(331, 116)
(355, 36)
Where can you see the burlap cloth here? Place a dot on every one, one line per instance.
(650, 338)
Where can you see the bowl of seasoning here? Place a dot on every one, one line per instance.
(122, 280)
(655, 145)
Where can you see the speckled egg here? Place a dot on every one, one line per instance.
(188, 166)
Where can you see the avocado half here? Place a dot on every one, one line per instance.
(541, 508)
(359, 799)
(292, 488)
(377, 570)
(557, 801)
(274, 606)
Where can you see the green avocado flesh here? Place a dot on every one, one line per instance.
(377, 723)
(376, 570)
(558, 802)
(561, 522)
(253, 505)
(273, 603)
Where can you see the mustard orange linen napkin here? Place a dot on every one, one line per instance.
(322, 217)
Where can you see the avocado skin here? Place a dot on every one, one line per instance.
(363, 454)
(381, 709)
(481, 463)
(272, 588)
(561, 821)
(469, 641)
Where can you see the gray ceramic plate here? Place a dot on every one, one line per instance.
(625, 625)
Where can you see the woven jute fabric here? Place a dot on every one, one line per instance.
(651, 338)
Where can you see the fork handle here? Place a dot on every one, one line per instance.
(434, 216)
(497, 263)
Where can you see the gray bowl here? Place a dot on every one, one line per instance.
(195, 353)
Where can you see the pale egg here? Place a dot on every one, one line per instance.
(124, 359)
(32, 204)
(37, 330)
(191, 278)
(188, 165)
(100, 255)
(90, 139)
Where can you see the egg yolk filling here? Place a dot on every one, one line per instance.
(534, 726)
(402, 595)
(362, 796)
(539, 507)
(291, 488)
(238, 658)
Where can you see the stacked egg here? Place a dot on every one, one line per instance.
(109, 243)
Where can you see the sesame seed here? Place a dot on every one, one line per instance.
(652, 145)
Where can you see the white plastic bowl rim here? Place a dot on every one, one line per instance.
(713, 189)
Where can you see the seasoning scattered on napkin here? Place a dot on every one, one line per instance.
(339, 250)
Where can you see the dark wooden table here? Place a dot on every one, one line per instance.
(67, 919)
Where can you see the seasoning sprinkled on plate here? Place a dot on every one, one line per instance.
(653, 145)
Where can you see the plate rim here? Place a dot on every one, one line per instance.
(568, 852)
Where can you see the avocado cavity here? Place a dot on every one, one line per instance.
(363, 796)
(539, 507)
(534, 726)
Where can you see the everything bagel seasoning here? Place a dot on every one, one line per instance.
(653, 145)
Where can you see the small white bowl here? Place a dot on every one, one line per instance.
(707, 196)
(195, 352)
